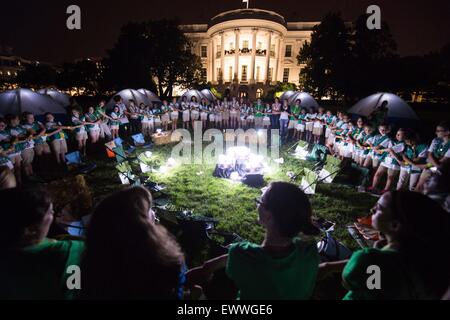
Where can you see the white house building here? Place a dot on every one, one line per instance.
(246, 51)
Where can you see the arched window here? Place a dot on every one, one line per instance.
(259, 93)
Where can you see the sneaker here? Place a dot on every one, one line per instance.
(384, 191)
(370, 189)
(361, 189)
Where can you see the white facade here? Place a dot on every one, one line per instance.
(249, 47)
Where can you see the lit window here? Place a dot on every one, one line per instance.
(258, 73)
(288, 52)
(259, 93)
(244, 73)
(286, 75)
(204, 52)
(245, 44)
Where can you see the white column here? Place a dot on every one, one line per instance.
(281, 60)
(222, 58)
(278, 57)
(269, 43)
(252, 64)
(212, 59)
(236, 55)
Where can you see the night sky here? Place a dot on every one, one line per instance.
(37, 29)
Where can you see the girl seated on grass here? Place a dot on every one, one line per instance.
(390, 165)
(413, 257)
(147, 261)
(284, 266)
(33, 267)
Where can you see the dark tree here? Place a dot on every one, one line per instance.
(374, 64)
(82, 74)
(37, 76)
(326, 58)
(154, 55)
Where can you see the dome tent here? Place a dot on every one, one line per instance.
(193, 93)
(25, 100)
(127, 95)
(208, 95)
(150, 95)
(62, 98)
(399, 111)
(307, 101)
(286, 95)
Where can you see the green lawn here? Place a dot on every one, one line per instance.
(231, 203)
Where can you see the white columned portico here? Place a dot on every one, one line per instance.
(269, 43)
(236, 55)
(252, 64)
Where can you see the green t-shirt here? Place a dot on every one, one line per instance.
(39, 272)
(396, 279)
(295, 110)
(259, 108)
(261, 276)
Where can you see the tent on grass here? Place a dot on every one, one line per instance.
(25, 100)
(127, 95)
(398, 111)
(307, 101)
(193, 93)
(150, 96)
(208, 95)
(62, 98)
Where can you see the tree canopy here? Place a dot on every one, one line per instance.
(154, 55)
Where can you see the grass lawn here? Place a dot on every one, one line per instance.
(232, 204)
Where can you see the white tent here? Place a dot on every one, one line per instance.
(193, 93)
(307, 101)
(397, 108)
(24, 100)
(62, 98)
(208, 95)
(127, 95)
(150, 95)
(287, 94)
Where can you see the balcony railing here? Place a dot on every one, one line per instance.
(230, 52)
(245, 51)
(261, 52)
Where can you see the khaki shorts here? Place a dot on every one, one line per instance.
(42, 148)
(59, 146)
(27, 156)
(15, 159)
(317, 131)
(81, 136)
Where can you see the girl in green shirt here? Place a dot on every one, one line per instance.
(412, 262)
(33, 267)
(283, 266)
